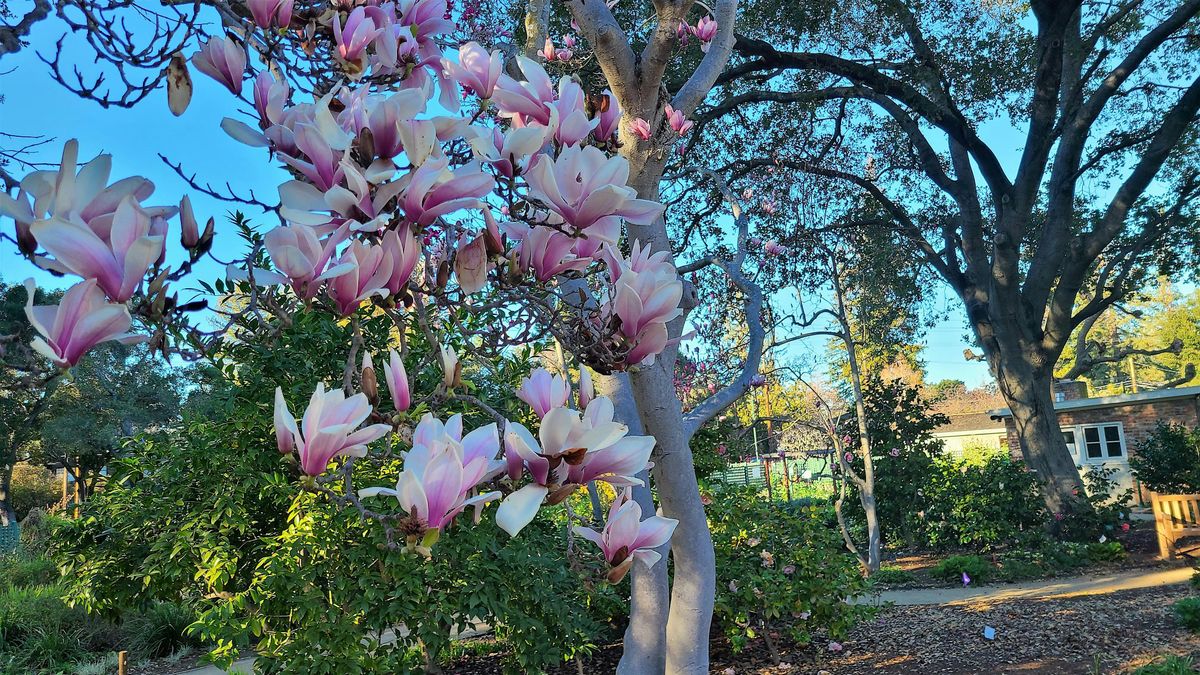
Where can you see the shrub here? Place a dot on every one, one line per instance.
(330, 579)
(160, 630)
(1109, 507)
(952, 569)
(1168, 461)
(904, 451)
(39, 631)
(982, 506)
(33, 487)
(780, 567)
(23, 570)
(37, 531)
(1187, 613)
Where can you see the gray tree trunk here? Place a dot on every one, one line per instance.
(649, 593)
(693, 592)
(1043, 448)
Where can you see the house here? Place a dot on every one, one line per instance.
(1103, 431)
(971, 430)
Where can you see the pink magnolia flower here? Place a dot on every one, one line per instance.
(849, 457)
(569, 41)
(268, 13)
(682, 32)
(587, 392)
(609, 116)
(548, 51)
(773, 247)
(118, 264)
(79, 322)
(434, 191)
(404, 249)
(529, 101)
(544, 250)
(356, 35)
(270, 96)
(587, 190)
(645, 297)
(509, 152)
(303, 259)
(224, 60)
(769, 206)
(369, 271)
(626, 537)
(439, 472)
(570, 451)
(641, 128)
(568, 114)
(564, 54)
(543, 390)
(476, 71)
(678, 122)
(328, 429)
(82, 196)
(705, 30)
(397, 382)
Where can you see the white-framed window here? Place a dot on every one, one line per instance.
(1096, 443)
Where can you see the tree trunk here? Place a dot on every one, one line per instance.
(1029, 397)
(694, 588)
(649, 593)
(866, 487)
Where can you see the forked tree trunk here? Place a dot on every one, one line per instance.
(693, 591)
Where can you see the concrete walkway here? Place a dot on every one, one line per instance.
(1047, 589)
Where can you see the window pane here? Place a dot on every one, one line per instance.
(1091, 438)
(1112, 437)
(1069, 437)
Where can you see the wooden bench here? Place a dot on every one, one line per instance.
(1175, 517)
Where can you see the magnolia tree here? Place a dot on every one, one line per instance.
(472, 198)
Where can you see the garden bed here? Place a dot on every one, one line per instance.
(1115, 633)
(905, 570)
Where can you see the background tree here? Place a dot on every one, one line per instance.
(27, 383)
(113, 394)
(1101, 97)
(1150, 342)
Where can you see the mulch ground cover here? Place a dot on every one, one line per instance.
(1102, 634)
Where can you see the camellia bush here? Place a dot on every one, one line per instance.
(781, 569)
(1169, 460)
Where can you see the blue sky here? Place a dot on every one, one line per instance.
(33, 104)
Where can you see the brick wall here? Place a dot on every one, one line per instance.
(1137, 418)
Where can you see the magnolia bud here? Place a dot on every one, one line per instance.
(368, 381)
